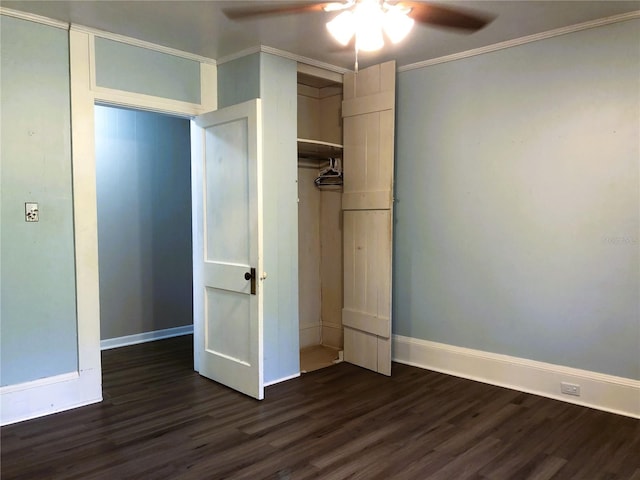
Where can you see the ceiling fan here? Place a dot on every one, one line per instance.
(364, 21)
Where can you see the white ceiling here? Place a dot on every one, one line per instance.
(200, 27)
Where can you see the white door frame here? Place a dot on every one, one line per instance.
(86, 385)
(84, 95)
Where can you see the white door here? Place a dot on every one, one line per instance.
(368, 111)
(227, 198)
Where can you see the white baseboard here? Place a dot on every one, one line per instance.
(283, 379)
(597, 390)
(34, 399)
(145, 337)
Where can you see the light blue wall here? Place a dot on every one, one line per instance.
(278, 90)
(239, 80)
(274, 80)
(517, 216)
(38, 304)
(143, 181)
(135, 69)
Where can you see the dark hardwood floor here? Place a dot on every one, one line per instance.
(160, 420)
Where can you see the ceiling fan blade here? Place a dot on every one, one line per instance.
(446, 16)
(246, 13)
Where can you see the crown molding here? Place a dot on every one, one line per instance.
(34, 18)
(104, 34)
(523, 40)
(284, 54)
(306, 60)
(141, 43)
(237, 55)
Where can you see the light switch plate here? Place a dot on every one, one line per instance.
(31, 212)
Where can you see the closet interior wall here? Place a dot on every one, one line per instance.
(319, 218)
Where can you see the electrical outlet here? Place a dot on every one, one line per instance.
(570, 388)
(31, 212)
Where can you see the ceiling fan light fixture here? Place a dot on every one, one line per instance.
(342, 27)
(338, 6)
(368, 25)
(369, 38)
(366, 19)
(397, 24)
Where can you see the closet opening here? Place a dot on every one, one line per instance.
(320, 219)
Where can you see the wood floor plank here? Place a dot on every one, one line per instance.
(543, 468)
(160, 420)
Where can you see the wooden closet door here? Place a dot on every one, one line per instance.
(368, 111)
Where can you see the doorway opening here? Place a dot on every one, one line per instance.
(143, 189)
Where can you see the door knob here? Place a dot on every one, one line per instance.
(251, 276)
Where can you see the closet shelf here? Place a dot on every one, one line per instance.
(318, 150)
